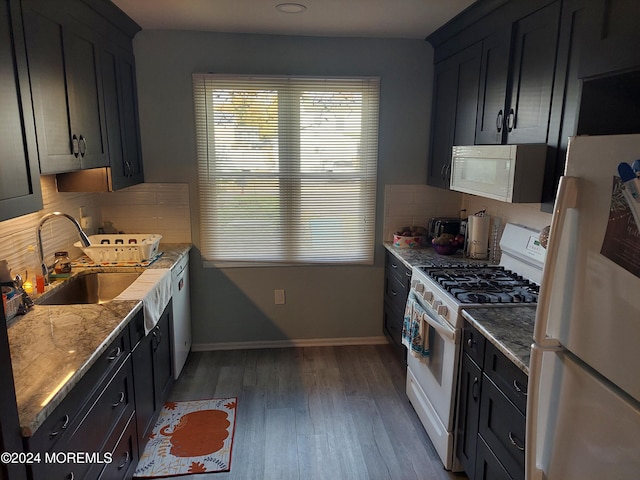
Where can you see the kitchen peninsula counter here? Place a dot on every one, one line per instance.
(53, 346)
(509, 328)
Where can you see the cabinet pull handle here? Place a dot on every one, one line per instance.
(474, 388)
(514, 443)
(394, 266)
(408, 274)
(470, 342)
(82, 144)
(499, 120)
(120, 400)
(65, 424)
(126, 460)
(442, 172)
(447, 172)
(511, 120)
(75, 148)
(394, 293)
(518, 388)
(71, 476)
(116, 353)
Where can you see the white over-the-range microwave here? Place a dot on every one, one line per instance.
(509, 173)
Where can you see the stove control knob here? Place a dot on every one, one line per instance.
(419, 287)
(436, 304)
(428, 296)
(443, 311)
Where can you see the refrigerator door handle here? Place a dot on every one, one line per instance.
(531, 470)
(567, 198)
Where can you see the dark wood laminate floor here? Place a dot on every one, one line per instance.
(330, 413)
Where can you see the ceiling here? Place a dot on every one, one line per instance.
(344, 18)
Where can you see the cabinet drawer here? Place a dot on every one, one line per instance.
(397, 269)
(64, 419)
(124, 454)
(473, 344)
(510, 379)
(395, 292)
(488, 467)
(92, 431)
(502, 426)
(393, 323)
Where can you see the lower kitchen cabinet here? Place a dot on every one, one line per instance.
(94, 413)
(491, 412)
(397, 282)
(153, 374)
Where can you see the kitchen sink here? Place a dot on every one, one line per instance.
(98, 287)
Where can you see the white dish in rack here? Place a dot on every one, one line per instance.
(121, 247)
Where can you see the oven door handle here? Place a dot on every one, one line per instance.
(443, 329)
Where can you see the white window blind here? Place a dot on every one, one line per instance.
(286, 168)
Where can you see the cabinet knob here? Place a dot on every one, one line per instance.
(474, 388)
(511, 120)
(518, 388)
(82, 145)
(515, 443)
(499, 120)
(125, 461)
(75, 148)
(120, 400)
(115, 354)
(65, 424)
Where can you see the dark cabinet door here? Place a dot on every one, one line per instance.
(162, 362)
(19, 175)
(468, 415)
(488, 467)
(534, 59)
(494, 73)
(153, 374)
(67, 89)
(612, 44)
(121, 113)
(516, 82)
(455, 101)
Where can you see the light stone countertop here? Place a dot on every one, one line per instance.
(53, 346)
(509, 328)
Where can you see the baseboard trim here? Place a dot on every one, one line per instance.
(312, 342)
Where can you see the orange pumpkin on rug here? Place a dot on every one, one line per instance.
(211, 425)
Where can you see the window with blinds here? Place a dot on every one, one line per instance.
(286, 168)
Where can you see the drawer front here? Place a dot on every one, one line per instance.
(124, 454)
(509, 379)
(397, 269)
(473, 344)
(395, 293)
(502, 426)
(65, 418)
(487, 465)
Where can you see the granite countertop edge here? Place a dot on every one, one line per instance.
(26, 341)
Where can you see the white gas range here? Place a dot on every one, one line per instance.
(432, 329)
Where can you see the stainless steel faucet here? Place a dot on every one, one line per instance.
(83, 238)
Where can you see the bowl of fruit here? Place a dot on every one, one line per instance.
(447, 243)
(410, 237)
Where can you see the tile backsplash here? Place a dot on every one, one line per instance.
(161, 208)
(415, 204)
(406, 205)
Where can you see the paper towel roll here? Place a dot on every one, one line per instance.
(478, 236)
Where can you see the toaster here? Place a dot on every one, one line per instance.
(439, 225)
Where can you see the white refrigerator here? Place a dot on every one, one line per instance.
(583, 410)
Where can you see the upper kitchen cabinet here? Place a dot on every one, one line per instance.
(19, 178)
(614, 39)
(66, 87)
(123, 133)
(455, 99)
(516, 80)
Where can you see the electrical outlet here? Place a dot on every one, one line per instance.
(86, 222)
(279, 297)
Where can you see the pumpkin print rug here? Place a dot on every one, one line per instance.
(190, 437)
